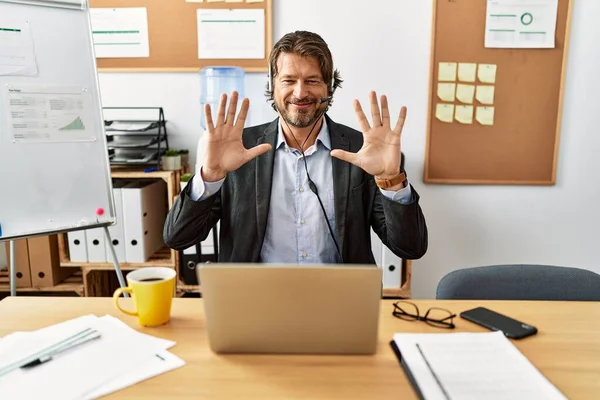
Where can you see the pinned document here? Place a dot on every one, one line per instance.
(231, 33)
(467, 72)
(464, 114)
(444, 112)
(447, 71)
(486, 73)
(465, 93)
(17, 50)
(446, 91)
(485, 94)
(120, 32)
(485, 115)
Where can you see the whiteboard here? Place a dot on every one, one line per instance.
(54, 167)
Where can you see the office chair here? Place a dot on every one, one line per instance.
(520, 282)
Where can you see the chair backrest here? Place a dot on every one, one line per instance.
(520, 282)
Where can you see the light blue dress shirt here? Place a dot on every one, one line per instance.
(297, 231)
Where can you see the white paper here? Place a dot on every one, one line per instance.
(231, 33)
(17, 52)
(48, 113)
(120, 358)
(152, 366)
(120, 32)
(473, 366)
(520, 23)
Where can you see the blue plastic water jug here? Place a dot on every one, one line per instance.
(215, 81)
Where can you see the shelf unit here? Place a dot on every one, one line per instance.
(73, 284)
(403, 292)
(164, 257)
(95, 279)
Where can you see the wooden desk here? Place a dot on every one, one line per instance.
(566, 350)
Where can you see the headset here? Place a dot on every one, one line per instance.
(311, 184)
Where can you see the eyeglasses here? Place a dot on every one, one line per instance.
(437, 317)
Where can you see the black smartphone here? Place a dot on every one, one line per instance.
(498, 322)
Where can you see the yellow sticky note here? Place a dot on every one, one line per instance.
(446, 91)
(485, 94)
(485, 115)
(465, 93)
(444, 112)
(447, 71)
(464, 114)
(487, 73)
(466, 72)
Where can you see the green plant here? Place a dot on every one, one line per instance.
(183, 151)
(186, 177)
(171, 153)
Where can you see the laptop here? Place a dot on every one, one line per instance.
(314, 309)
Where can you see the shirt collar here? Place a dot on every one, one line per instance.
(322, 137)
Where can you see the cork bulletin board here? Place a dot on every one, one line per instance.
(503, 125)
(173, 36)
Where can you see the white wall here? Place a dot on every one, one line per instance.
(384, 45)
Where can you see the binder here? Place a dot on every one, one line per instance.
(78, 246)
(144, 212)
(96, 247)
(117, 231)
(392, 269)
(407, 370)
(192, 256)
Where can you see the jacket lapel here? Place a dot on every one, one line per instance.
(264, 179)
(341, 180)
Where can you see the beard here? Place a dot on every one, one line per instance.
(299, 118)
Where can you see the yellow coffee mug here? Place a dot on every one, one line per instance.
(152, 290)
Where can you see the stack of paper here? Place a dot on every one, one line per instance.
(470, 366)
(120, 358)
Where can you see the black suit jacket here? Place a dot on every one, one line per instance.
(242, 206)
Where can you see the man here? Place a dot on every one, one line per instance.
(301, 189)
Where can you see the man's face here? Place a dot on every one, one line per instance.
(297, 89)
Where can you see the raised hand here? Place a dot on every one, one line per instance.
(225, 151)
(380, 153)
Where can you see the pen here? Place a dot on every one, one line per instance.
(46, 354)
(433, 372)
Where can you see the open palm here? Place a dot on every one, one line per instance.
(380, 153)
(225, 151)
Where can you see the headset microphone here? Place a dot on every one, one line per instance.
(325, 99)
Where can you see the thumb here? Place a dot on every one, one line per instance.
(352, 158)
(257, 151)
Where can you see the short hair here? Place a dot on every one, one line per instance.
(305, 44)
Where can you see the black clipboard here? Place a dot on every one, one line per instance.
(407, 371)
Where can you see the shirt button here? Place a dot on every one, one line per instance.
(302, 188)
(303, 221)
(304, 255)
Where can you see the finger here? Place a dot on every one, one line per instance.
(385, 112)
(347, 156)
(232, 108)
(241, 119)
(208, 116)
(401, 119)
(362, 118)
(221, 112)
(375, 109)
(257, 151)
